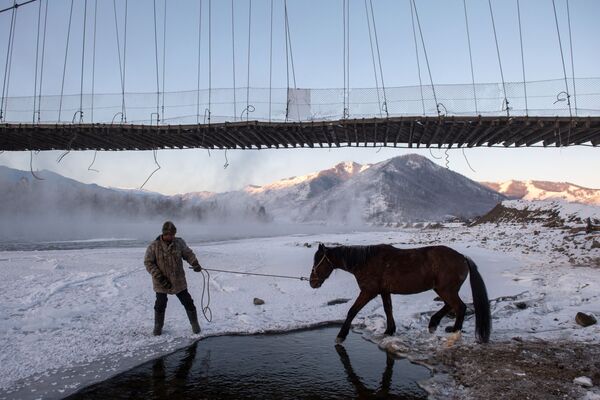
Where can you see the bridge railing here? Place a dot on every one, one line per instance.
(544, 98)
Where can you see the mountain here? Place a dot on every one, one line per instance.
(543, 190)
(21, 195)
(403, 189)
(287, 197)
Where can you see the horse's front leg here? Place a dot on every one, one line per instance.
(361, 301)
(386, 298)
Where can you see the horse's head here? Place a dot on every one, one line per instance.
(322, 267)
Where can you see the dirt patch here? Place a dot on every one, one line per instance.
(519, 369)
(500, 213)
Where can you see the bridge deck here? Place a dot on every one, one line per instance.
(392, 132)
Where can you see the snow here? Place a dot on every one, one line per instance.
(542, 190)
(566, 210)
(346, 168)
(281, 184)
(583, 381)
(70, 318)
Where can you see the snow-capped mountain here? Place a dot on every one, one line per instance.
(292, 194)
(402, 189)
(543, 190)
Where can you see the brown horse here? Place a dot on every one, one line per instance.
(385, 270)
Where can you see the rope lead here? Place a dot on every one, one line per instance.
(301, 278)
(206, 310)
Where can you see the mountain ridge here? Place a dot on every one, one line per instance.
(401, 189)
(546, 190)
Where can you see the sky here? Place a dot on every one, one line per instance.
(317, 41)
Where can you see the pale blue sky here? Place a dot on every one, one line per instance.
(316, 28)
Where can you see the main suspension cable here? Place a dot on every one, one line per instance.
(120, 64)
(233, 59)
(562, 57)
(199, 53)
(94, 66)
(287, 64)
(384, 105)
(289, 39)
(123, 109)
(471, 55)
(412, 18)
(506, 102)
(7, 66)
(572, 63)
(82, 62)
(271, 63)
(345, 54)
(373, 59)
(42, 61)
(209, 58)
(37, 53)
(248, 74)
(62, 88)
(162, 107)
(437, 105)
(156, 64)
(522, 57)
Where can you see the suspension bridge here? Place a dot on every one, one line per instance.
(559, 112)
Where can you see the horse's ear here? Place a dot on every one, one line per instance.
(321, 246)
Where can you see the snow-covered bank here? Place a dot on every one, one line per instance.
(71, 308)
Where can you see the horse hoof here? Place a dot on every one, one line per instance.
(432, 329)
(389, 333)
(339, 340)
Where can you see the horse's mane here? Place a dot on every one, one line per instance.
(353, 256)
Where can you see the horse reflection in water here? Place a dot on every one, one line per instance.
(362, 391)
(383, 270)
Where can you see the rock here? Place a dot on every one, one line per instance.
(583, 381)
(337, 301)
(595, 244)
(585, 319)
(258, 302)
(521, 305)
(308, 245)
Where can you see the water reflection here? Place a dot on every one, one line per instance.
(160, 383)
(385, 385)
(297, 365)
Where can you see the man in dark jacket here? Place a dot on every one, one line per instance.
(164, 261)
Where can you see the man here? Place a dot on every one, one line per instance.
(163, 261)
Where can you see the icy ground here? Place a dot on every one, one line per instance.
(70, 318)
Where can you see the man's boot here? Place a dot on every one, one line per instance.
(193, 316)
(159, 321)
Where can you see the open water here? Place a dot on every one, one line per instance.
(296, 365)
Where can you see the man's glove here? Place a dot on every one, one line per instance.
(196, 266)
(165, 282)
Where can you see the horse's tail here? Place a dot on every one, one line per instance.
(483, 318)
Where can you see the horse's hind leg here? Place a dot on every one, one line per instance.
(387, 307)
(452, 300)
(361, 301)
(437, 318)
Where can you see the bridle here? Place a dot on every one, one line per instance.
(314, 269)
